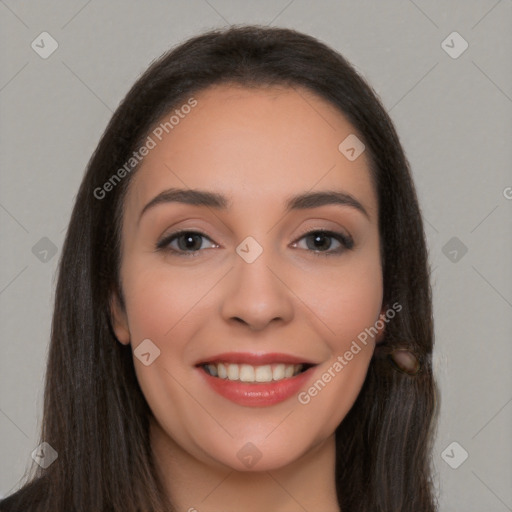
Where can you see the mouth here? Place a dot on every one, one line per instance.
(254, 373)
(256, 380)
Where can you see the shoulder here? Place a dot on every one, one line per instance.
(27, 499)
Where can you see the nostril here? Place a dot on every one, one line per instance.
(240, 320)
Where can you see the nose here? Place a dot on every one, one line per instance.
(257, 294)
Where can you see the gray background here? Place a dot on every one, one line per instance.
(454, 119)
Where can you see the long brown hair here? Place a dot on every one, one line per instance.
(95, 415)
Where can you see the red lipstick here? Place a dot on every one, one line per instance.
(255, 358)
(256, 394)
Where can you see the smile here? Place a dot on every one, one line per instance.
(250, 373)
(255, 380)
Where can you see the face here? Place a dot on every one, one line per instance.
(272, 291)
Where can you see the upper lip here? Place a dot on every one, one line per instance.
(254, 358)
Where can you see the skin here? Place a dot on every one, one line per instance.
(257, 147)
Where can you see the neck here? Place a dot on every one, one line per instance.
(193, 486)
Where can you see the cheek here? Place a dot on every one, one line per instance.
(344, 302)
(348, 306)
(329, 398)
(162, 305)
(160, 301)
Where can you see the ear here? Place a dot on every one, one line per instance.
(119, 319)
(381, 325)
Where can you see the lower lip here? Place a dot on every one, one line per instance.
(260, 394)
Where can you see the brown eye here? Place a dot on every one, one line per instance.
(327, 242)
(184, 242)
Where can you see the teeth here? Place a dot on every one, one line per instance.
(278, 372)
(212, 369)
(233, 372)
(263, 373)
(246, 373)
(221, 370)
(249, 373)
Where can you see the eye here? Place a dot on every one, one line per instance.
(185, 243)
(320, 241)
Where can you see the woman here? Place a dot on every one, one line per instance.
(243, 314)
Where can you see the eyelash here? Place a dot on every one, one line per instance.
(345, 240)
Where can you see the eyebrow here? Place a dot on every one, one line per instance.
(218, 201)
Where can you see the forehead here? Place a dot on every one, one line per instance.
(254, 145)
